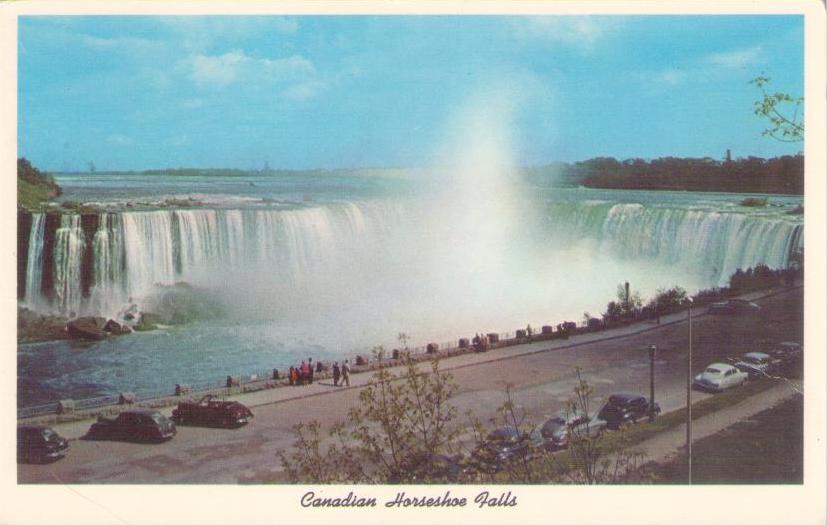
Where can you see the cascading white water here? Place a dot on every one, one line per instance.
(108, 293)
(68, 252)
(34, 262)
(711, 243)
(294, 252)
(148, 242)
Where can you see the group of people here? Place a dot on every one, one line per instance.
(480, 342)
(341, 373)
(303, 374)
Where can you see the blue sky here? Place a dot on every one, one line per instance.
(355, 91)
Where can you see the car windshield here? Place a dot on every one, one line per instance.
(50, 435)
(158, 418)
(712, 371)
(752, 360)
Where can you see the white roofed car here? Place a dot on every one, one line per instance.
(755, 363)
(719, 376)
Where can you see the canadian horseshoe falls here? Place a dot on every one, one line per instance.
(331, 278)
(262, 270)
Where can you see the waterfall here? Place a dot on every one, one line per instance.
(711, 243)
(108, 290)
(132, 251)
(34, 265)
(68, 251)
(148, 242)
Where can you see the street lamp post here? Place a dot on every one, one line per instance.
(652, 351)
(689, 397)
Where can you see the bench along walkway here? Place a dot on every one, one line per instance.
(76, 429)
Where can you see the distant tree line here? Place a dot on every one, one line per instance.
(783, 174)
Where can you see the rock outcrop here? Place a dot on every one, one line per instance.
(87, 328)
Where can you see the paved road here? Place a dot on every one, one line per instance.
(541, 375)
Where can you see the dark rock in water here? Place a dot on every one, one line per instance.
(116, 328)
(131, 313)
(87, 328)
(32, 326)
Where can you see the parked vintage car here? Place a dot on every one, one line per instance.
(211, 411)
(558, 430)
(37, 444)
(133, 425)
(718, 377)
(756, 364)
(786, 353)
(501, 446)
(624, 408)
(733, 306)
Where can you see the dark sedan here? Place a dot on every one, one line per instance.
(625, 408)
(501, 446)
(36, 444)
(133, 425)
(786, 353)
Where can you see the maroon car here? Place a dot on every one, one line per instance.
(133, 425)
(210, 411)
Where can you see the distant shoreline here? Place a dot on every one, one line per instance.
(774, 176)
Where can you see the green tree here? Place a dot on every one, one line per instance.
(33, 186)
(783, 111)
(402, 421)
(592, 457)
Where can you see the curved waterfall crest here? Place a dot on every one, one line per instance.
(716, 242)
(101, 263)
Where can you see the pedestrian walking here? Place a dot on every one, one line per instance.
(336, 373)
(291, 376)
(310, 370)
(345, 373)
